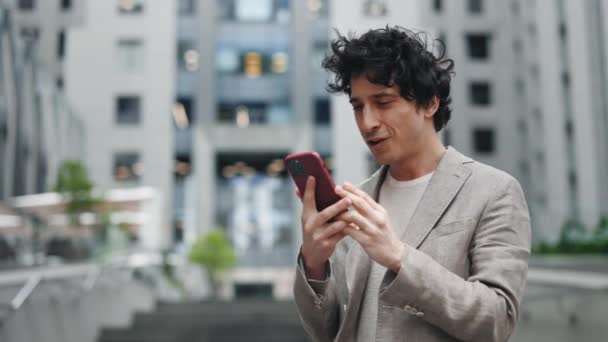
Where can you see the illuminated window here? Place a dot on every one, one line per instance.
(252, 64)
(279, 62)
(127, 167)
(130, 6)
(187, 55)
(375, 8)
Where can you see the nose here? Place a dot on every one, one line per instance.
(368, 120)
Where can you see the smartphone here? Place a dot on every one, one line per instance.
(302, 165)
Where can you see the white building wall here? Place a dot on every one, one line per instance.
(583, 94)
(94, 77)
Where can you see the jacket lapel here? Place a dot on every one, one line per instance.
(447, 180)
(357, 263)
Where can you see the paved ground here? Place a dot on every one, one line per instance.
(558, 315)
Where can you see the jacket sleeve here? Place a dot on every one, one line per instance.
(317, 304)
(484, 307)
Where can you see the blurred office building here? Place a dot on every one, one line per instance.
(38, 128)
(528, 98)
(119, 76)
(250, 90)
(561, 82)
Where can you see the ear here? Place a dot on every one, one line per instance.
(430, 110)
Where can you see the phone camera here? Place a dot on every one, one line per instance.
(296, 167)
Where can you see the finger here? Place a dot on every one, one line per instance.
(334, 209)
(351, 188)
(333, 229)
(298, 193)
(309, 195)
(359, 203)
(333, 240)
(357, 219)
(356, 234)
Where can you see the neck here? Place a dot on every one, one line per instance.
(421, 163)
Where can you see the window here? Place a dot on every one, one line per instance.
(243, 114)
(61, 45)
(27, 5)
(568, 127)
(483, 140)
(187, 55)
(130, 6)
(572, 179)
(186, 7)
(183, 112)
(66, 5)
(322, 112)
(318, 8)
(475, 6)
(227, 61)
(375, 8)
(478, 45)
(443, 46)
(437, 5)
(565, 79)
(480, 93)
(563, 31)
(128, 110)
(127, 167)
(130, 54)
(253, 10)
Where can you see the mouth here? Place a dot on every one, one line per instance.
(373, 143)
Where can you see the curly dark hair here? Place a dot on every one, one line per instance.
(394, 55)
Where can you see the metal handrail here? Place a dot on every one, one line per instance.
(25, 292)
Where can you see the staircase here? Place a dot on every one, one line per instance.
(251, 320)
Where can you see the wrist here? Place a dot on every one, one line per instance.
(395, 265)
(314, 270)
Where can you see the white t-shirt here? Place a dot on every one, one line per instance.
(400, 199)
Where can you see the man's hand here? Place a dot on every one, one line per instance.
(369, 225)
(319, 234)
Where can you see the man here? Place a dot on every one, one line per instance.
(432, 247)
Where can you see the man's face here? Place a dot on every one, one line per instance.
(392, 127)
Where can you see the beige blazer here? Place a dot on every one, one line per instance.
(463, 271)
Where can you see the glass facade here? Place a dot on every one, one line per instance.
(254, 206)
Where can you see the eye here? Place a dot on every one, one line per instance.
(384, 103)
(357, 108)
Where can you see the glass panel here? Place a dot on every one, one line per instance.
(127, 167)
(130, 54)
(128, 110)
(254, 205)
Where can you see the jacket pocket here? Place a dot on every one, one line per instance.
(445, 229)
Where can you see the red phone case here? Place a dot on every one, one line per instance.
(302, 165)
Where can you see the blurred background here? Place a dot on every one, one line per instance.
(143, 195)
